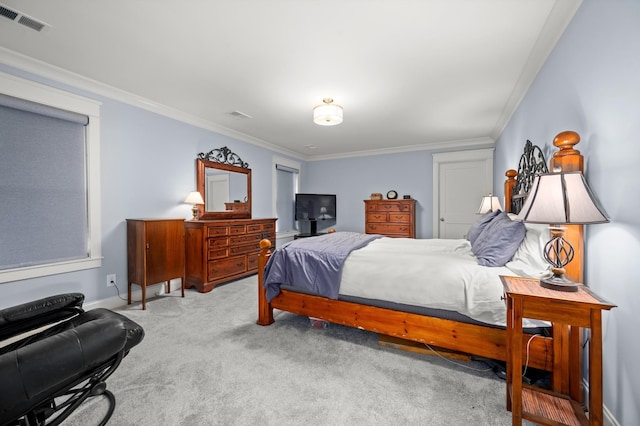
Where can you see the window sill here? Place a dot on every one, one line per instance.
(17, 274)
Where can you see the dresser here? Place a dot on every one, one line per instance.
(393, 218)
(218, 251)
(155, 253)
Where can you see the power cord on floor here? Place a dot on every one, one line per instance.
(526, 364)
(456, 363)
(118, 292)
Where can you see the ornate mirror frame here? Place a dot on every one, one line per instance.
(223, 159)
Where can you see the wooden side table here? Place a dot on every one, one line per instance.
(568, 312)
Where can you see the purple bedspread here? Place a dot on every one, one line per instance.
(314, 264)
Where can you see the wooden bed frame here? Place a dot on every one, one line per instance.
(482, 341)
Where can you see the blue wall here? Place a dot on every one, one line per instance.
(147, 170)
(354, 179)
(591, 84)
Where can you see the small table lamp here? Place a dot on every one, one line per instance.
(194, 198)
(560, 199)
(489, 203)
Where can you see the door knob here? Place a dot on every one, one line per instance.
(442, 219)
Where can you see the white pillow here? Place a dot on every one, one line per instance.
(528, 260)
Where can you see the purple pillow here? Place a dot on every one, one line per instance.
(498, 241)
(477, 228)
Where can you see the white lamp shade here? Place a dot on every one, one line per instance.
(194, 198)
(327, 114)
(488, 204)
(561, 198)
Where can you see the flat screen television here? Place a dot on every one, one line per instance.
(315, 207)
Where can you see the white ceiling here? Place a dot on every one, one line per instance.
(410, 74)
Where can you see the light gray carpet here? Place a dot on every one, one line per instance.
(204, 361)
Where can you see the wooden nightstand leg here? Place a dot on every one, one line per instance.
(595, 369)
(509, 346)
(576, 388)
(516, 364)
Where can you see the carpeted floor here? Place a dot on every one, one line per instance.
(204, 361)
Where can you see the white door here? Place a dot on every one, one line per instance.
(460, 180)
(217, 189)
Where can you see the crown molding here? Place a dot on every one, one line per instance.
(559, 18)
(77, 81)
(476, 143)
(61, 75)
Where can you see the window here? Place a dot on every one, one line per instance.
(49, 181)
(285, 184)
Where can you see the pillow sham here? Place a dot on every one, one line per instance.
(477, 228)
(498, 241)
(528, 260)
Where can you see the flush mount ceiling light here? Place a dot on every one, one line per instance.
(327, 114)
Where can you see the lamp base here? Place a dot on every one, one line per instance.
(559, 283)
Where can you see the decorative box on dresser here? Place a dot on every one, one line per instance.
(218, 251)
(155, 253)
(393, 218)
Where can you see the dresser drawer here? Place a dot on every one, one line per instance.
(377, 217)
(217, 253)
(389, 229)
(216, 231)
(388, 207)
(217, 242)
(237, 230)
(225, 267)
(259, 227)
(243, 239)
(252, 262)
(400, 217)
(236, 250)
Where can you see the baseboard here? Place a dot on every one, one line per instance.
(118, 301)
(607, 416)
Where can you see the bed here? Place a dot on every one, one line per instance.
(441, 327)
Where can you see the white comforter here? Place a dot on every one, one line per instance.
(432, 273)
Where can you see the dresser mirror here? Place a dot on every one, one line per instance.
(224, 181)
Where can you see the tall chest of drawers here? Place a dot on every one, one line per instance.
(393, 218)
(218, 251)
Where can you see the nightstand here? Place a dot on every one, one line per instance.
(568, 312)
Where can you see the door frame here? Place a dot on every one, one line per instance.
(441, 158)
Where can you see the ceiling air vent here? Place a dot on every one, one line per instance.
(8, 13)
(22, 19)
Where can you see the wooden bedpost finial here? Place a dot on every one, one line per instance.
(265, 244)
(567, 159)
(565, 141)
(509, 186)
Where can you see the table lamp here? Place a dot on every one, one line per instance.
(194, 198)
(560, 199)
(489, 203)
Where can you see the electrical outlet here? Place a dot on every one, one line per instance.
(111, 280)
